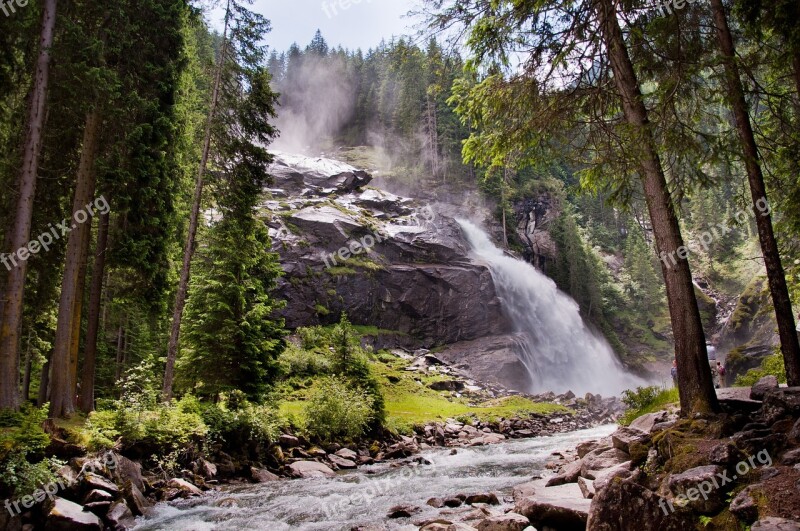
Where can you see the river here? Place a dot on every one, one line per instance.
(364, 496)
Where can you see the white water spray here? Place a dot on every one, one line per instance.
(559, 350)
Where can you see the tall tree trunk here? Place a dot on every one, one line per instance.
(26, 379)
(44, 383)
(769, 246)
(188, 251)
(92, 327)
(120, 345)
(20, 232)
(694, 382)
(77, 313)
(61, 391)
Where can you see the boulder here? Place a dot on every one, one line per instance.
(436, 503)
(701, 488)
(745, 505)
(288, 441)
(97, 495)
(93, 481)
(646, 422)
(587, 488)
(775, 524)
(341, 462)
(184, 486)
(118, 514)
(603, 477)
(625, 436)
(506, 522)
(206, 469)
(347, 453)
(586, 447)
(260, 475)
(763, 386)
(68, 516)
(597, 460)
(563, 508)
(525, 490)
(485, 497)
(403, 511)
(725, 454)
(309, 469)
(780, 403)
(568, 474)
(628, 505)
(791, 457)
(137, 503)
(126, 470)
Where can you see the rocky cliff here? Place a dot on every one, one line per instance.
(396, 266)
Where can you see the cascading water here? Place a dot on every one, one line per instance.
(559, 350)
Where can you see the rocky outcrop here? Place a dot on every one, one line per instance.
(533, 216)
(386, 261)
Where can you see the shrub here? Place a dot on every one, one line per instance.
(771, 365)
(236, 422)
(22, 445)
(296, 361)
(646, 400)
(336, 410)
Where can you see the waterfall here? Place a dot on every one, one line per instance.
(560, 352)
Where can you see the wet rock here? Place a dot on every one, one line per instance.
(436, 503)
(347, 453)
(487, 497)
(99, 508)
(136, 501)
(126, 470)
(506, 522)
(775, 524)
(762, 387)
(68, 516)
(118, 515)
(205, 469)
(403, 511)
(184, 486)
(97, 495)
(345, 464)
(627, 505)
(260, 475)
(525, 490)
(309, 469)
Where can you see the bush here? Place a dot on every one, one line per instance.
(771, 365)
(237, 422)
(22, 445)
(336, 410)
(296, 361)
(645, 400)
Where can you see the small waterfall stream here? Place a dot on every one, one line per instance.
(559, 350)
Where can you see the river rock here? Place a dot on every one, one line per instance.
(309, 469)
(486, 497)
(403, 511)
(763, 386)
(587, 488)
(625, 436)
(525, 490)
(568, 474)
(97, 495)
(603, 477)
(562, 507)
(118, 514)
(347, 453)
(184, 486)
(136, 501)
(341, 462)
(597, 460)
(288, 441)
(627, 505)
(68, 516)
(126, 470)
(260, 475)
(586, 447)
(506, 522)
(93, 481)
(775, 524)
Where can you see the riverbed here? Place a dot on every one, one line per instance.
(364, 496)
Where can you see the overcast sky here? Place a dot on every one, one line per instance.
(360, 25)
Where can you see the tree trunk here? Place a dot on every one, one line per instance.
(77, 313)
(188, 251)
(44, 384)
(694, 374)
(120, 344)
(92, 327)
(61, 391)
(20, 231)
(26, 379)
(769, 246)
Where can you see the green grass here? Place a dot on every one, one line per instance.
(662, 399)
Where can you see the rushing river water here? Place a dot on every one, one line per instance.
(365, 496)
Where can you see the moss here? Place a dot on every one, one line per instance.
(638, 453)
(321, 310)
(341, 271)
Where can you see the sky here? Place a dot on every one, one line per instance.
(349, 23)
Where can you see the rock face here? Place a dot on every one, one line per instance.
(622, 503)
(387, 261)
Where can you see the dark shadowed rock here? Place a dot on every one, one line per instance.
(403, 511)
(118, 515)
(341, 462)
(725, 454)
(68, 516)
(693, 482)
(624, 505)
(745, 505)
(259, 475)
(784, 402)
(93, 481)
(763, 386)
(126, 470)
(483, 497)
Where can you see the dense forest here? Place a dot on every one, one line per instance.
(143, 285)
